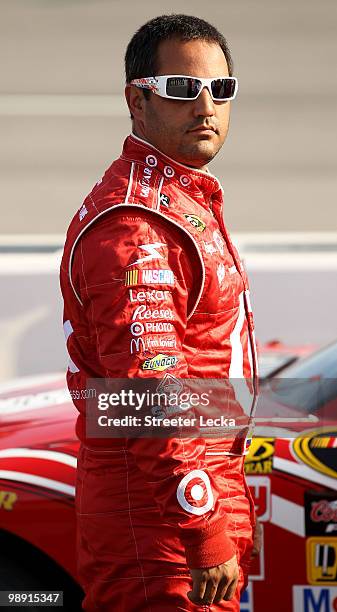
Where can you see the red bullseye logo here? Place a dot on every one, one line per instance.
(151, 161)
(185, 180)
(194, 493)
(168, 171)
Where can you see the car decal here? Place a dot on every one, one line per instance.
(39, 454)
(38, 481)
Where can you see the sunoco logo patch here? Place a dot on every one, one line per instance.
(196, 222)
(160, 362)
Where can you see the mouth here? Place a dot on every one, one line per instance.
(204, 129)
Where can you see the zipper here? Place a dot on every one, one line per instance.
(237, 263)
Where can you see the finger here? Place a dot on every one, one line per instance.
(198, 590)
(230, 592)
(202, 588)
(222, 588)
(257, 544)
(210, 592)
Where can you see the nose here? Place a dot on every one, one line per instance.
(204, 105)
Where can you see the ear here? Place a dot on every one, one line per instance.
(135, 101)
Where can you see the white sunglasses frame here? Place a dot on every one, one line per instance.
(157, 85)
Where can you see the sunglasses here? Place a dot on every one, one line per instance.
(180, 87)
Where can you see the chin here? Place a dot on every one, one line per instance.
(203, 152)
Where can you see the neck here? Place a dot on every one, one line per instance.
(139, 134)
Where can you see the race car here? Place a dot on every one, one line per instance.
(292, 475)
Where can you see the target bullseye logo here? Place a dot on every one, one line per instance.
(197, 492)
(168, 171)
(185, 180)
(194, 493)
(137, 329)
(151, 161)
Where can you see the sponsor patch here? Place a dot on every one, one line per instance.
(142, 312)
(219, 242)
(164, 200)
(260, 456)
(154, 295)
(152, 252)
(169, 171)
(137, 344)
(314, 599)
(170, 384)
(185, 180)
(194, 493)
(319, 451)
(151, 160)
(196, 222)
(161, 343)
(7, 500)
(210, 248)
(82, 212)
(158, 327)
(145, 182)
(320, 513)
(145, 277)
(220, 271)
(322, 560)
(160, 362)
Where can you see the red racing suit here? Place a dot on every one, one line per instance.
(153, 286)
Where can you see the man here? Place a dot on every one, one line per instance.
(153, 286)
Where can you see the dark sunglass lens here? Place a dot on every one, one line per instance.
(223, 89)
(182, 87)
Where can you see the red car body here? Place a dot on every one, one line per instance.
(293, 481)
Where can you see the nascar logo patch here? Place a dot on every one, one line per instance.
(145, 277)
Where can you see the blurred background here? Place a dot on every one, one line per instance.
(63, 120)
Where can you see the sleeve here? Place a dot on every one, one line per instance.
(136, 276)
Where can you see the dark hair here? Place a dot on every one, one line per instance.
(141, 57)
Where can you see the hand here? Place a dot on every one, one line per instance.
(211, 585)
(257, 540)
